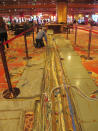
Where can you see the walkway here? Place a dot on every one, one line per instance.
(64, 68)
(80, 87)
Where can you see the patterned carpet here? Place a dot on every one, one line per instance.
(15, 59)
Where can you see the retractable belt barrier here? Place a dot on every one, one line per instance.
(12, 92)
(90, 36)
(18, 35)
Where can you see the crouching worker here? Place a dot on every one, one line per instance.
(39, 38)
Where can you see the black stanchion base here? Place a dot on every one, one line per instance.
(83, 56)
(11, 94)
(27, 58)
(87, 58)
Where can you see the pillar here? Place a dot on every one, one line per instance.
(61, 10)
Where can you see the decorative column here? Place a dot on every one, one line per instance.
(61, 10)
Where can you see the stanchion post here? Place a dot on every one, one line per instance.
(75, 35)
(5, 67)
(10, 92)
(37, 28)
(33, 35)
(26, 48)
(67, 33)
(89, 43)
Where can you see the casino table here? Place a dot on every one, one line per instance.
(57, 28)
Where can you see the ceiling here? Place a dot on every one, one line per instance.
(30, 7)
(8, 2)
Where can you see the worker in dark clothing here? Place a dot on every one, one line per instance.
(39, 38)
(3, 31)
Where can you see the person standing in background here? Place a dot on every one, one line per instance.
(3, 31)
